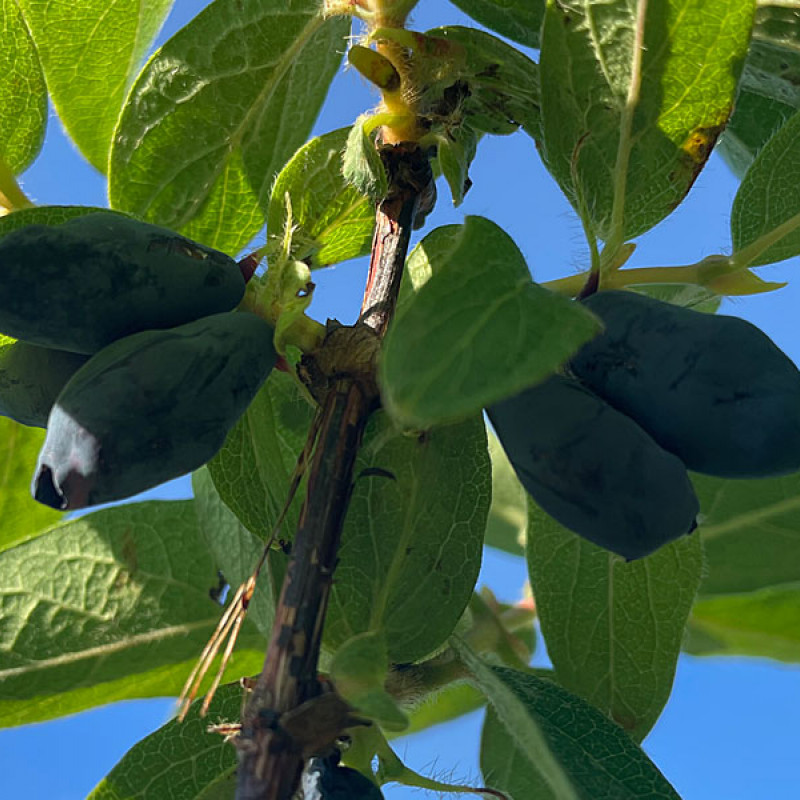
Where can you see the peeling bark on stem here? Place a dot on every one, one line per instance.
(271, 760)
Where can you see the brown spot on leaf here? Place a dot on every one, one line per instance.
(129, 555)
(694, 153)
(700, 143)
(626, 721)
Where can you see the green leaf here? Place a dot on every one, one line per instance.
(754, 120)
(502, 84)
(770, 90)
(634, 96)
(110, 606)
(179, 760)
(452, 702)
(479, 329)
(520, 20)
(454, 157)
(412, 539)
(218, 111)
(22, 517)
(222, 789)
(44, 215)
(579, 753)
(23, 94)
(761, 624)
(89, 53)
(683, 294)
(331, 221)
(359, 669)
(503, 630)
(500, 685)
(773, 63)
(768, 201)
(613, 629)
(505, 766)
(751, 532)
(253, 470)
(375, 67)
(508, 514)
(236, 551)
(362, 167)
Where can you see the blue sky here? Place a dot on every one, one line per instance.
(729, 729)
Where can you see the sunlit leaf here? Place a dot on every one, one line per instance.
(43, 215)
(22, 517)
(634, 96)
(332, 221)
(452, 702)
(23, 94)
(477, 331)
(113, 605)
(508, 515)
(218, 111)
(90, 52)
(760, 624)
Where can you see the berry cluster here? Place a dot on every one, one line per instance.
(605, 450)
(126, 348)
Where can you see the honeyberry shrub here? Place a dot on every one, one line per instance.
(625, 102)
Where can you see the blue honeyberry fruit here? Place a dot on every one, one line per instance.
(151, 407)
(594, 470)
(712, 389)
(325, 779)
(31, 378)
(100, 277)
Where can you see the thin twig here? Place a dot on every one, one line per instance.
(271, 761)
(196, 676)
(231, 621)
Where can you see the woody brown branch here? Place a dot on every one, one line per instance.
(342, 377)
